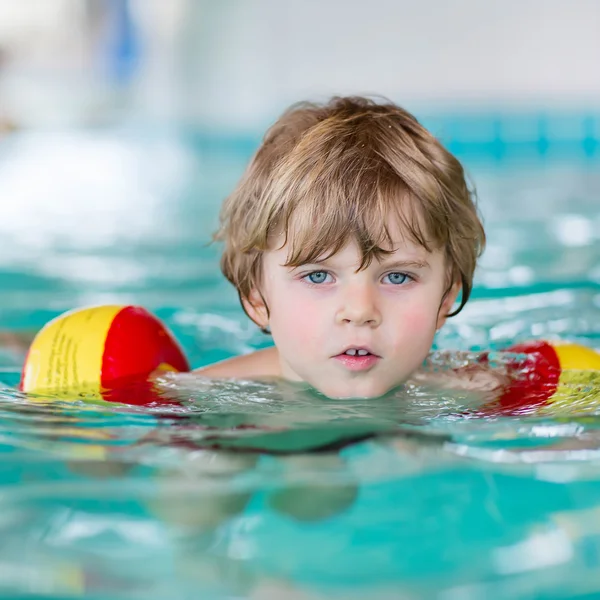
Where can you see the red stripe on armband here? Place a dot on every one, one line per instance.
(137, 345)
(534, 378)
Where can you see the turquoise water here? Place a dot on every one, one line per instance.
(260, 491)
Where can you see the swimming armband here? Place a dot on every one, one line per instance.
(103, 351)
(548, 375)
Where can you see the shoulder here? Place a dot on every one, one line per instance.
(262, 363)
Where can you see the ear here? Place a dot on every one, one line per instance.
(256, 309)
(447, 303)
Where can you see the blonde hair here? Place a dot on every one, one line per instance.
(328, 174)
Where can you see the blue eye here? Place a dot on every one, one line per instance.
(317, 277)
(397, 278)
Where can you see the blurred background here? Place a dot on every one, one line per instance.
(232, 66)
(126, 122)
(123, 126)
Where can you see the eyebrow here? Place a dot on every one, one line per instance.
(397, 264)
(406, 264)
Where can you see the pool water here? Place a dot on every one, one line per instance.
(254, 490)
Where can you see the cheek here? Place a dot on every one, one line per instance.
(417, 320)
(296, 315)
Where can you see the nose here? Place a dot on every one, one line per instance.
(359, 307)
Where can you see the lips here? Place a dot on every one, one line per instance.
(357, 358)
(357, 351)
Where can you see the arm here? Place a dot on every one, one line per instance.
(465, 371)
(256, 365)
(16, 341)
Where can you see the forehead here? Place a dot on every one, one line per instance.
(350, 255)
(399, 236)
(381, 220)
(401, 230)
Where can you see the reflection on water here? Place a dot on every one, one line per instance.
(257, 490)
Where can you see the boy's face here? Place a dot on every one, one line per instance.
(349, 333)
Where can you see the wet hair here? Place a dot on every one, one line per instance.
(327, 174)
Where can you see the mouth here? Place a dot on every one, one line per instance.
(357, 358)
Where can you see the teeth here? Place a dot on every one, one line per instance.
(354, 352)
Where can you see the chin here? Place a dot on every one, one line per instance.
(356, 390)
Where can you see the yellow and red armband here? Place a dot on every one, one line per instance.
(550, 374)
(108, 352)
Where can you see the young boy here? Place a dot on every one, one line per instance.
(349, 239)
